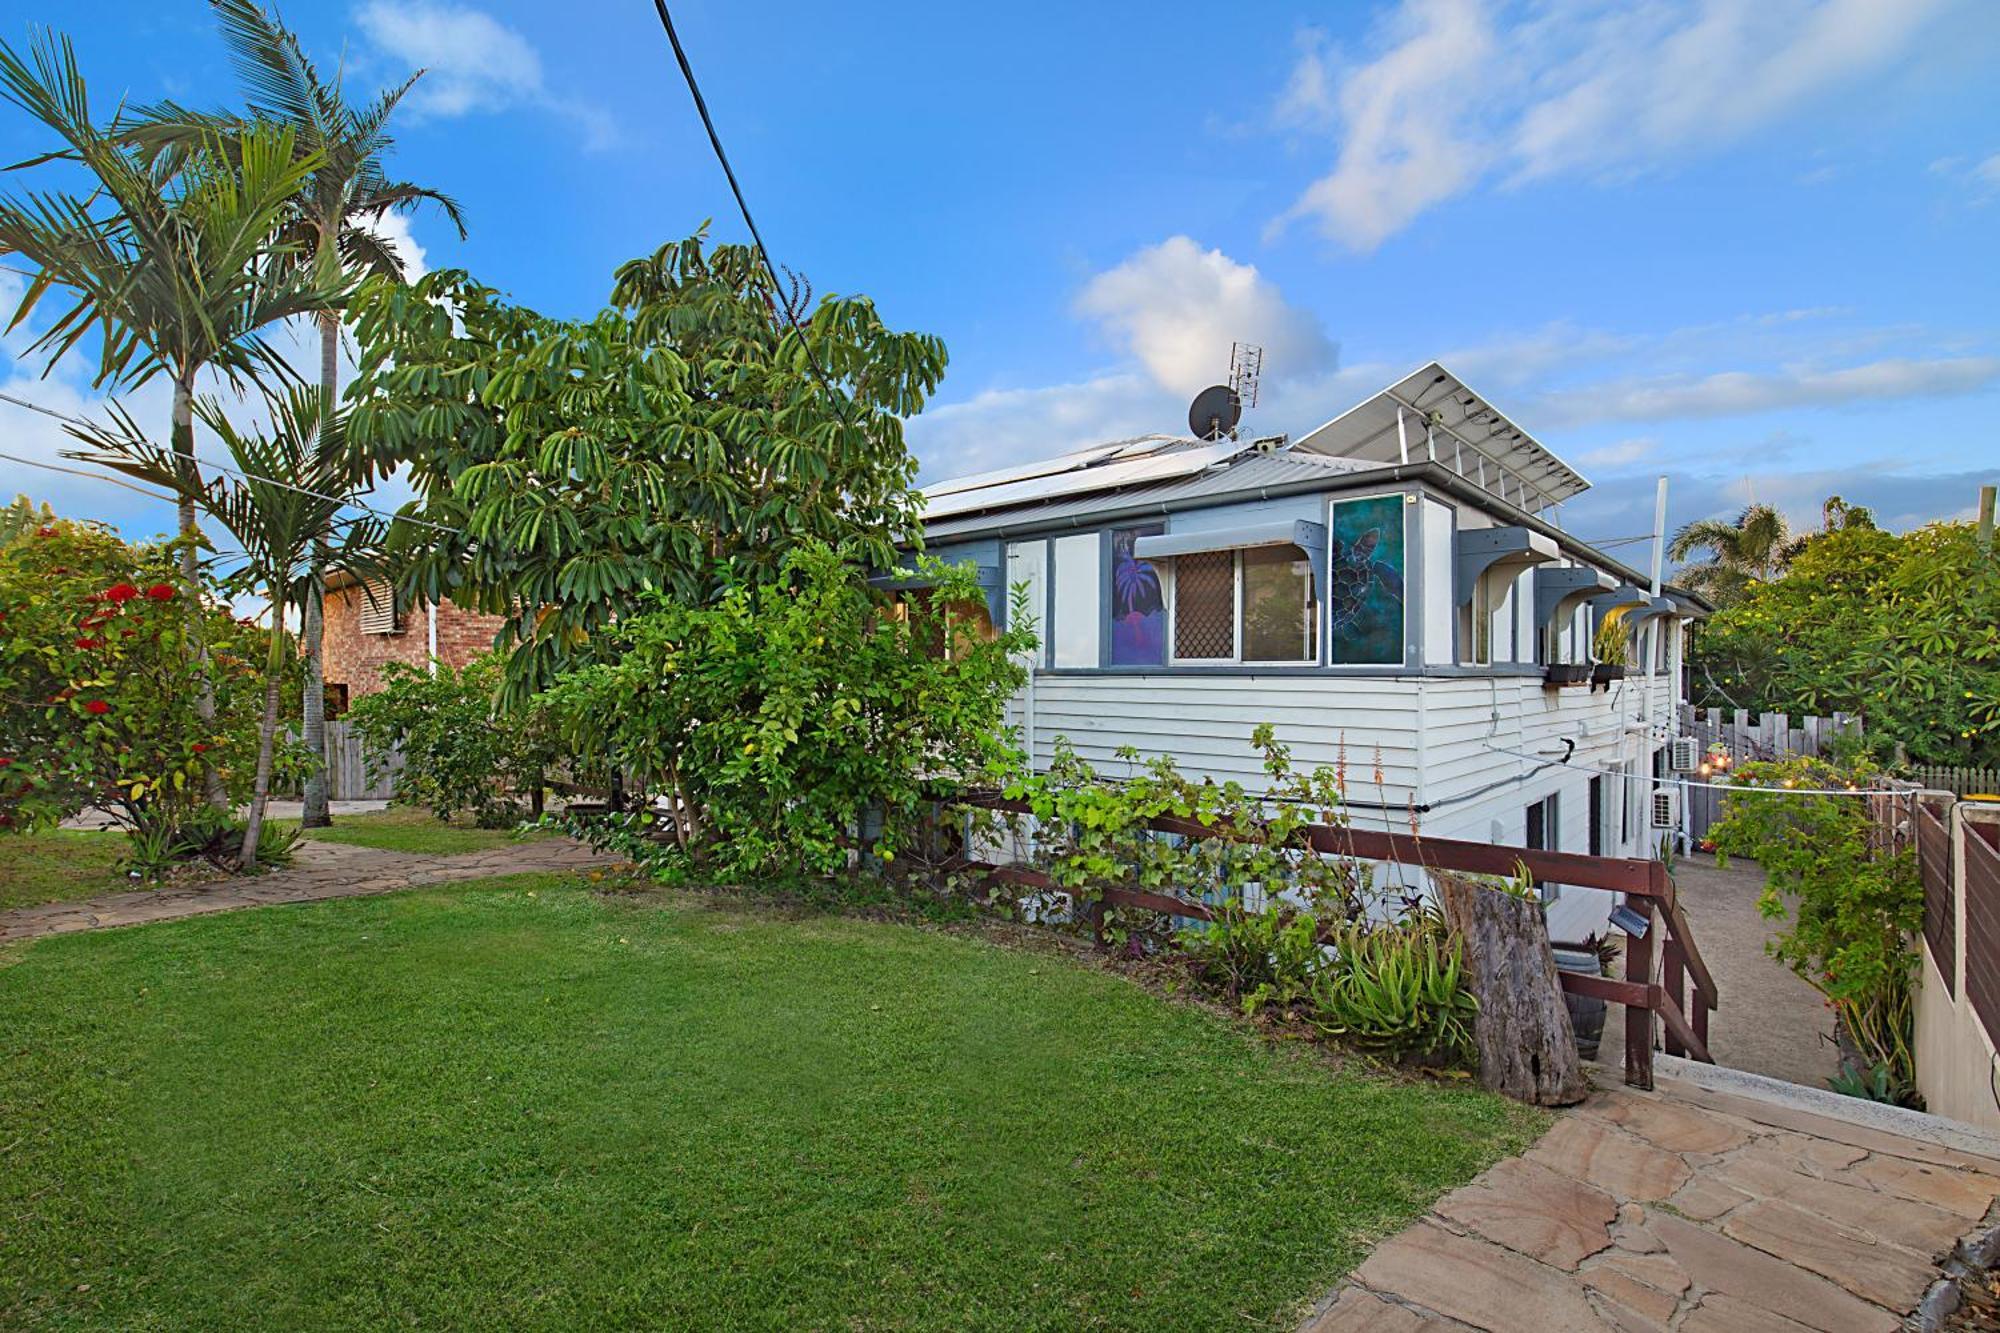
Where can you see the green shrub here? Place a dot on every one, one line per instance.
(1263, 958)
(779, 722)
(1397, 990)
(101, 680)
(460, 750)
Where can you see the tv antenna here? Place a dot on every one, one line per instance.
(1246, 365)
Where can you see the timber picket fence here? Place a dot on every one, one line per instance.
(1751, 736)
(1960, 782)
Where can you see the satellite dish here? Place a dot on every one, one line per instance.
(1215, 412)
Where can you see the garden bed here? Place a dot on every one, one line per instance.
(523, 1104)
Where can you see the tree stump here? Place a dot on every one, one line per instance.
(1527, 1049)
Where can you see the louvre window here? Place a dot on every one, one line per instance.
(1205, 606)
(378, 609)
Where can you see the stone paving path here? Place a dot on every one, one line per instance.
(320, 870)
(1680, 1209)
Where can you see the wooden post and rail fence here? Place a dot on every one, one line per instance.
(1666, 983)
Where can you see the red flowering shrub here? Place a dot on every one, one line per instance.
(98, 686)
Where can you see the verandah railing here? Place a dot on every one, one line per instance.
(1669, 984)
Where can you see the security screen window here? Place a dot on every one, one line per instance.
(1280, 613)
(1205, 606)
(1138, 601)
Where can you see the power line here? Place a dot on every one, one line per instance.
(742, 206)
(1778, 788)
(148, 492)
(212, 466)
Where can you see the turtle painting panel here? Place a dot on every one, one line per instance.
(1365, 563)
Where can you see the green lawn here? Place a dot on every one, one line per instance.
(406, 828)
(38, 868)
(519, 1105)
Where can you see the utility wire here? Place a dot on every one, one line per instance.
(1779, 788)
(839, 403)
(146, 491)
(212, 466)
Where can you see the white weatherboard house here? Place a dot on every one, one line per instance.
(1393, 588)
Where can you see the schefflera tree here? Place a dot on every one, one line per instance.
(680, 442)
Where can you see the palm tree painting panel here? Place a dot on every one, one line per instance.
(1138, 601)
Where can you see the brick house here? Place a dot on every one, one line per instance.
(364, 633)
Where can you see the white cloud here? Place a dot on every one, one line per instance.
(1741, 393)
(1172, 310)
(1000, 426)
(473, 63)
(395, 229)
(1622, 454)
(1459, 91)
(1405, 145)
(1900, 500)
(1178, 307)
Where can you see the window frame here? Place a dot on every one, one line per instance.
(1311, 613)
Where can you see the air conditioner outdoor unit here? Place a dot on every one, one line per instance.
(1684, 754)
(1666, 808)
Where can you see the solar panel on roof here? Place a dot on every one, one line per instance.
(1105, 476)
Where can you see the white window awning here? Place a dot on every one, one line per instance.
(1308, 536)
(1302, 533)
(1494, 553)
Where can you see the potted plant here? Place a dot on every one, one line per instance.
(1609, 648)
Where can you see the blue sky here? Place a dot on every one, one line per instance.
(1749, 245)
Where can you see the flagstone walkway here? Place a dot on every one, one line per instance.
(1681, 1209)
(320, 870)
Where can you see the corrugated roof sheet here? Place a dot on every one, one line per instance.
(1245, 475)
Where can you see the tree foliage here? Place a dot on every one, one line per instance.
(1743, 552)
(678, 442)
(777, 718)
(1902, 630)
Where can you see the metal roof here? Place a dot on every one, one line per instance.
(1243, 476)
(1430, 415)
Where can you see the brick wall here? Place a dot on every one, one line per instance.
(355, 660)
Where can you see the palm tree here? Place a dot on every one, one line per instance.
(347, 191)
(1751, 549)
(173, 262)
(284, 510)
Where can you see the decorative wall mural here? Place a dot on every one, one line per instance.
(1138, 602)
(1365, 581)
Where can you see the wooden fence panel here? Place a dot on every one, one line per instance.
(347, 772)
(1940, 899)
(1982, 930)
